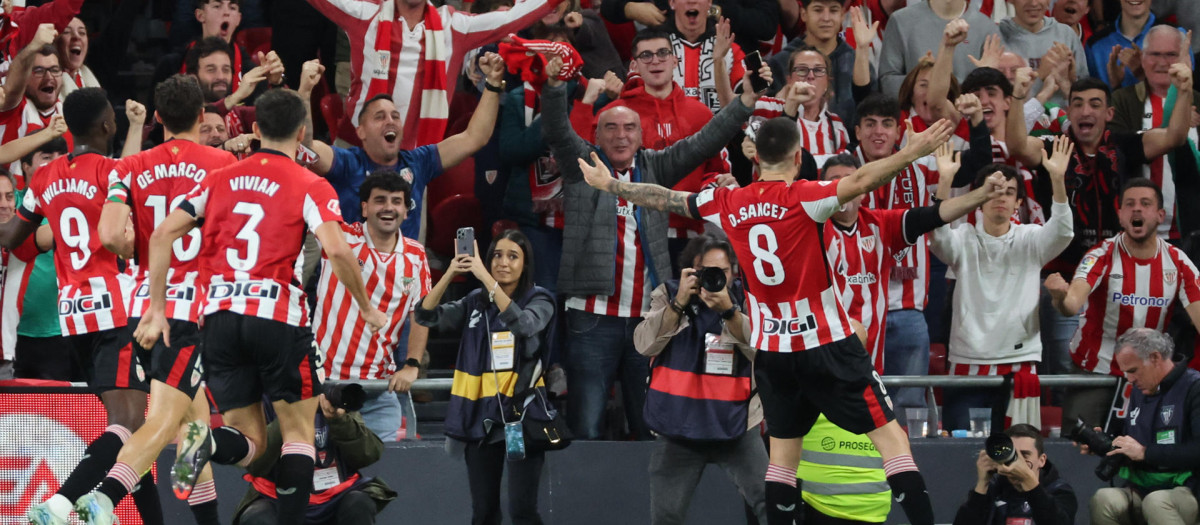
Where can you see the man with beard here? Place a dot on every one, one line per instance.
(218, 19)
(1127, 281)
(31, 89)
(212, 128)
(211, 61)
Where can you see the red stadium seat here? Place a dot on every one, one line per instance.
(622, 38)
(446, 217)
(457, 180)
(332, 109)
(938, 360)
(254, 39)
(502, 226)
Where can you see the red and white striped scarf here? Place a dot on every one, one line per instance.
(527, 59)
(435, 107)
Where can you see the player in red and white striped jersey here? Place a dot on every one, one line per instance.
(705, 51)
(860, 243)
(1128, 281)
(146, 186)
(797, 320)
(397, 274)
(822, 133)
(255, 339)
(93, 294)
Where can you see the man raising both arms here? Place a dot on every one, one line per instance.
(256, 337)
(808, 360)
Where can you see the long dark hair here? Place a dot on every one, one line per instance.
(518, 238)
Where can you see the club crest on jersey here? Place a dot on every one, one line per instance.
(1169, 276)
(334, 207)
(867, 243)
(85, 304)
(248, 289)
(793, 326)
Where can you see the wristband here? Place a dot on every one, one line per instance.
(675, 306)
(492, 293)
(728, 314)
(413, 362)
(495, 89)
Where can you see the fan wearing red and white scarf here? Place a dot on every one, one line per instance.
(527, 58)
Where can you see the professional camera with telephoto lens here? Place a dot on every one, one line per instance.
(347, 396)
(1100, 444)
(1000, 448)
(712, 279)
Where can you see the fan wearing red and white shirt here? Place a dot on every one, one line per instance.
(860, 243)
(256, 340)
(797, 321)
(1128, 281)
(146, 186)
(69, 194)
(822, 133)
(709, 62)
(31, 88)
(396, 271)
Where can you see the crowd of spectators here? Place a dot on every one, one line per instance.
(1086, 109)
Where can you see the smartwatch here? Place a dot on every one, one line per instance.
(728, 314)
(413, 362)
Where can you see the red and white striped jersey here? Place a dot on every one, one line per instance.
(153, 183)
(255, 215)
(963, 369)
(21, 120)
(69, 193)
(632, 295)
(909, 283)
(694, 70)
(822, 138)
(1127, 292)
(1160, 169)
(861, 259)
(395, 280)
(400, 65)
(15, 268)
(775, 229)
(872, 12)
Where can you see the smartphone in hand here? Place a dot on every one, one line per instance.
(753, 62)
(465, 241)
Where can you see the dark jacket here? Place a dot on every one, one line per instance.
(1185, 453)
(357, 448)
(589, 236)
(1052, 502)
(1129, 104)
(750, 21)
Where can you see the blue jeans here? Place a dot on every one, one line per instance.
(959, 402)
(547, 254)
(906, 353)
(598, 348)
(1057, 331)
(383, 413)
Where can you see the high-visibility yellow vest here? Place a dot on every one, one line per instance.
(842, 474)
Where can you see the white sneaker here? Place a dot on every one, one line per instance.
(95, 508)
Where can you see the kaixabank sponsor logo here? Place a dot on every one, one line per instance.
(37, 454)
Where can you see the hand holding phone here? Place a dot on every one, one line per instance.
(753, 62)
(464, 242)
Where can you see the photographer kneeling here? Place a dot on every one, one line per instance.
(701, 402)
(1023, 485)
(1161, 442)
(340, 494)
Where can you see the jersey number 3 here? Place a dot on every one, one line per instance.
(248, 233)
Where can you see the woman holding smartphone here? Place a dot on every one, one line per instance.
(498, 373)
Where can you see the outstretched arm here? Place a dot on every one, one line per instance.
(877, 173)
(649, 195)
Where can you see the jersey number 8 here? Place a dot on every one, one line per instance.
(764, 256)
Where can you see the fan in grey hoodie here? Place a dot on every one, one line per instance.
(1031, 34)
(917, 29)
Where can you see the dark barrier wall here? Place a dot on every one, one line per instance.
(605, 483)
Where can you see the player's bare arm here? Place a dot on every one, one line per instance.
(114, 218)
(875, 174)
(154, 321)
(345, 266)
(649, 195)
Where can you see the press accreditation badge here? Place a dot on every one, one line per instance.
(718, 356)
(326, 478)
(1164, 437)
(503, 351)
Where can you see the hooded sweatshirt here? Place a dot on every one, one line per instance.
(1033, 46)
(665, 122)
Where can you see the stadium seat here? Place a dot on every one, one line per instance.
(254, 39)
(456, 180)
(332, 109)
(446, 217)
(502, 226)
(938, 362)
(622, 38)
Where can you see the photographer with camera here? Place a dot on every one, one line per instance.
(1159, 450)
(701, 401)
(340, 494)
(1017, 481)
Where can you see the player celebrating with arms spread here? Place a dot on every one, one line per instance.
(808, 360)
(256, 338)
